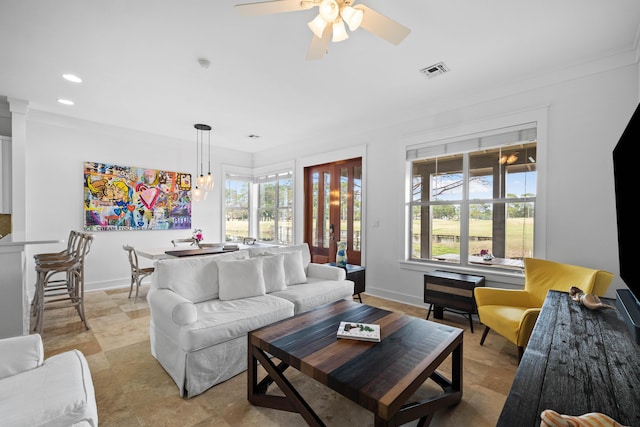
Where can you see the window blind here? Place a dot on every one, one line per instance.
(512, 135)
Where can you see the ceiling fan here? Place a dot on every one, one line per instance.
(329, 24)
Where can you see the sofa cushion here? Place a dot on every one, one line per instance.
(195, 278)
(220, 321)
(241, 278)
(274, 274)
(315, 293)
(303, 248)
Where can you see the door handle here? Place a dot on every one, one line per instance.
(331, 230)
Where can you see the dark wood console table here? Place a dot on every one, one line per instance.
(577, 361)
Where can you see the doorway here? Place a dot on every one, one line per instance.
(333, 209)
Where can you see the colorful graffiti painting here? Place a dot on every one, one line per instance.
(133, 198)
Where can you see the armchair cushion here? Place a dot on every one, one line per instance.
(541, 276)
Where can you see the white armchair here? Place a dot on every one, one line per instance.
(36, 392)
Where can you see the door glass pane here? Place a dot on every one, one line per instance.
(357, 206)
(327, 210)
(315, 177)
(344, 204)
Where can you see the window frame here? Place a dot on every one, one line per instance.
(435, 139)
(255, 177)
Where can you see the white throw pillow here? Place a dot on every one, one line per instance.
(241, 278)
(195, 278)
(274, 274)
(293, 268)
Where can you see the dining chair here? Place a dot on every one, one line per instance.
(191, 241)
(60, 281)
(137, 273)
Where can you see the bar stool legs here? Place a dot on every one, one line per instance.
(60, 281)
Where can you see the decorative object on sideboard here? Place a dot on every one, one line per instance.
(551, 418)
(197, 234)
(341, 254)
(591, 301)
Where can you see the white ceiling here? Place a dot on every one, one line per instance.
(138, 59)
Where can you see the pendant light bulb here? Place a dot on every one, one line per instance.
(200, 181)
(198, 195)
(208, 182)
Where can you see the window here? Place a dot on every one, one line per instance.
(237, 208)
(472, 201)
(275, 208)
(259, 207)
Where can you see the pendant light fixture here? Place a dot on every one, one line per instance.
(199, 194)
(208, 180)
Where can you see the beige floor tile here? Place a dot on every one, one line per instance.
(132, 389)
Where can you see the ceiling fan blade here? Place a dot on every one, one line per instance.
(381, 26)
(274, 6)
(318, 47)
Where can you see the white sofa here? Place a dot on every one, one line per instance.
(36, 392)
(203, 307)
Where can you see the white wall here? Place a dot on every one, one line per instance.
(56, 151)
(585, 118)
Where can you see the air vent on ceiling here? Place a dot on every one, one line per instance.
(435, 70)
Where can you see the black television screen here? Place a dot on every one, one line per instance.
(624, 164)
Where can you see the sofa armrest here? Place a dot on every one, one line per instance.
(20, 354)
(166, 304)
(327, 272)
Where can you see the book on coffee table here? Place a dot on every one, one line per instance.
(359, 331)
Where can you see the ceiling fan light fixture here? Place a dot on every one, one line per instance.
(353, 17)
(317, 26)
(328, 10)
(339, 31)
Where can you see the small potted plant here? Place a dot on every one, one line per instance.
(197, 234)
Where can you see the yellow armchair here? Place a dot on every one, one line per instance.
(513, 313)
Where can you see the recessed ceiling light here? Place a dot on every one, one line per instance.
(65, 101)
(72, 78)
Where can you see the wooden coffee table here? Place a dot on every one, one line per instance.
(381, 377)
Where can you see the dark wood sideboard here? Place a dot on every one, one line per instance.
(577, 361)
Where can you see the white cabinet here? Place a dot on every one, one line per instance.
(5, 175)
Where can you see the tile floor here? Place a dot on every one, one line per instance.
(132, 389)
